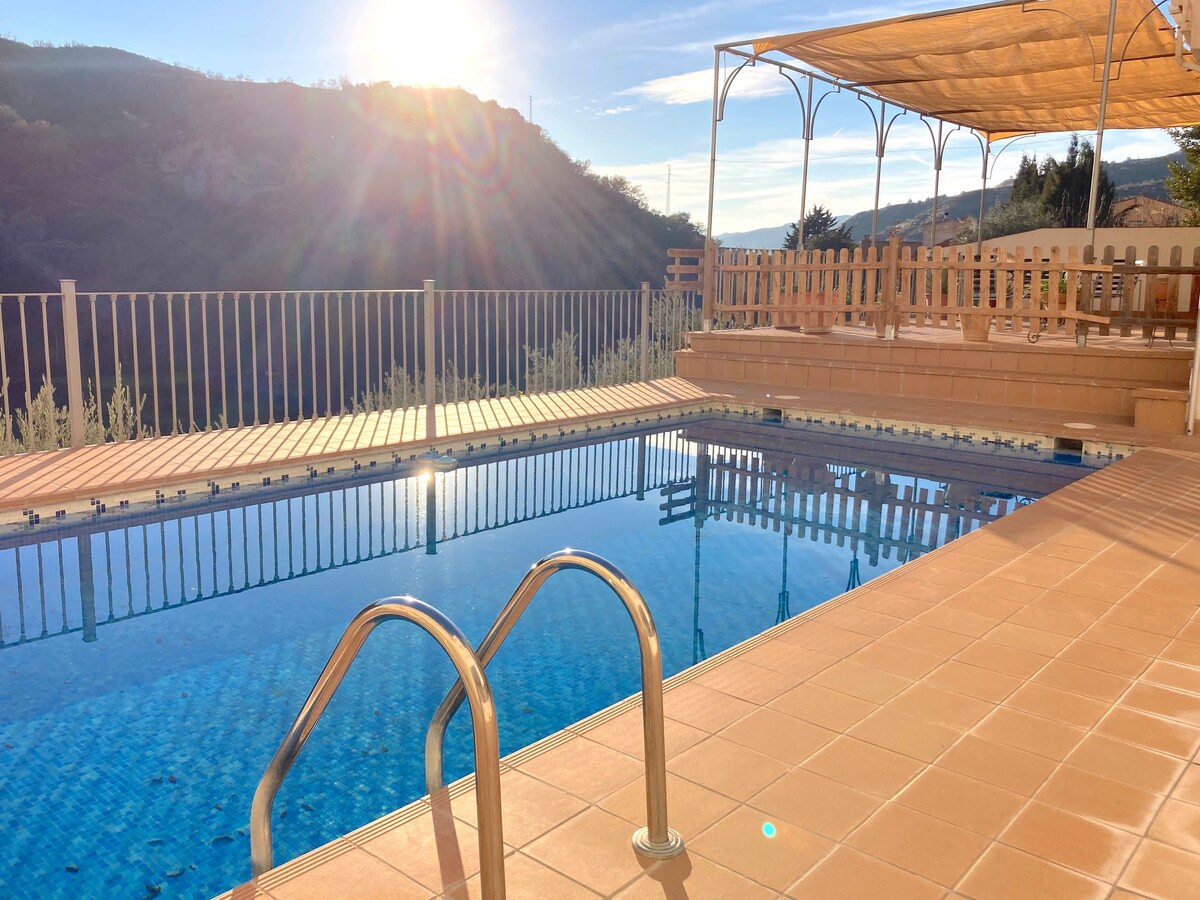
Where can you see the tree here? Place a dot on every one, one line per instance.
(821, 232)
(1068, 187)
(1009, 218)
(1029, 180)
(1183, 178)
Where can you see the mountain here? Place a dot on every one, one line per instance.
(129, 174)
(1133, 177)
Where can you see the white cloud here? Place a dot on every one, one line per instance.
(697, 87)
(615, 111)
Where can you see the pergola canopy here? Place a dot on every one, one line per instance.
(1013, 67)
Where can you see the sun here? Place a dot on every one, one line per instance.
(431, 43)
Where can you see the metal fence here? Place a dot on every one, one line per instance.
(134, 364)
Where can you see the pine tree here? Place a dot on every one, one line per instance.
(1183, 178)
(821, 232)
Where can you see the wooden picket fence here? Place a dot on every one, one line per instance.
(1036, 290)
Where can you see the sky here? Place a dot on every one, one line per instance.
(625, 85)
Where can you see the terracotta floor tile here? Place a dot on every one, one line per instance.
(352, 875)
(625, 734)
(863, 766)
(530, 808)
(1093, 590)
(1126, 763)
(1050, 620)
(924, 845)
(584, 768)
(893, 730)
(983, 684)
(754, 684)
(1162, 872)
(593, 848)
(977, 602)
(1178, 824)
(1105, 659)
(816, 803)
(703, 708)
(780, 736)
(1032, 640)
(689, 875)
(1171, 675)
(997, 587)
(1056, 705)
(896, 660)
(822, 706)
(775, 853)
(1188, 788)
(861, 681)
(1005, 767)
(1053, 740)
(825, 638)
(1088, 682)
(435, 851)
(944, 707)
(1182, 652)
(1007, 874)
(1070, 840)
(1002, 659)
(1190, 633)
(1071, 605)
(1100, 798)
(727, 768)
(863, 621)
(1125, 638)
(1161, 701)
(690, 808)
(956, 620)
(1144, 620)
(1150, 731)
(925, 639)
(959, 800)
(880, 601)
(788, 659)
(849, 875)
(526, 879)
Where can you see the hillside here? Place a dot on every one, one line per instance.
(129, 174)
(1132, 177)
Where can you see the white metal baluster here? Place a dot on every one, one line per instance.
(283, 356)
(269, 361)
(46, 336)
(328, 365)
(299, 360)
(171, 360)
(312, 347)
(150, 303)
(454, 329)
(25, 353)
(187, 337)
(476, 299)
(208, 417)
(254, 353)
(137, 375)
(4, 364)
(404, 297)
(221, 350)
(238, 345)
(341, 353)
(392, 351)
(379, 342)
(354, 342)
(95, 341)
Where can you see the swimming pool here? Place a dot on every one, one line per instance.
(151, 661)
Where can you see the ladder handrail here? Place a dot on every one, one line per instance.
(657, 840)
(483, 718)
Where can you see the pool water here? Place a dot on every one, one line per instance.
(151, 661)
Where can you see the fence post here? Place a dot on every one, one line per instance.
(73, 364)
(430, 362)
(892, 259)
(708, 284)
(644, 338)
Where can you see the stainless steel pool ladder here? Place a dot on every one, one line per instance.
(656, 840)
(483, 721)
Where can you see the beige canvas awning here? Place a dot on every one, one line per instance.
(1015, 67)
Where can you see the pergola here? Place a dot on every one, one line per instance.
(999, 70)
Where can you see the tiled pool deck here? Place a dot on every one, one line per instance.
(1015, 715)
